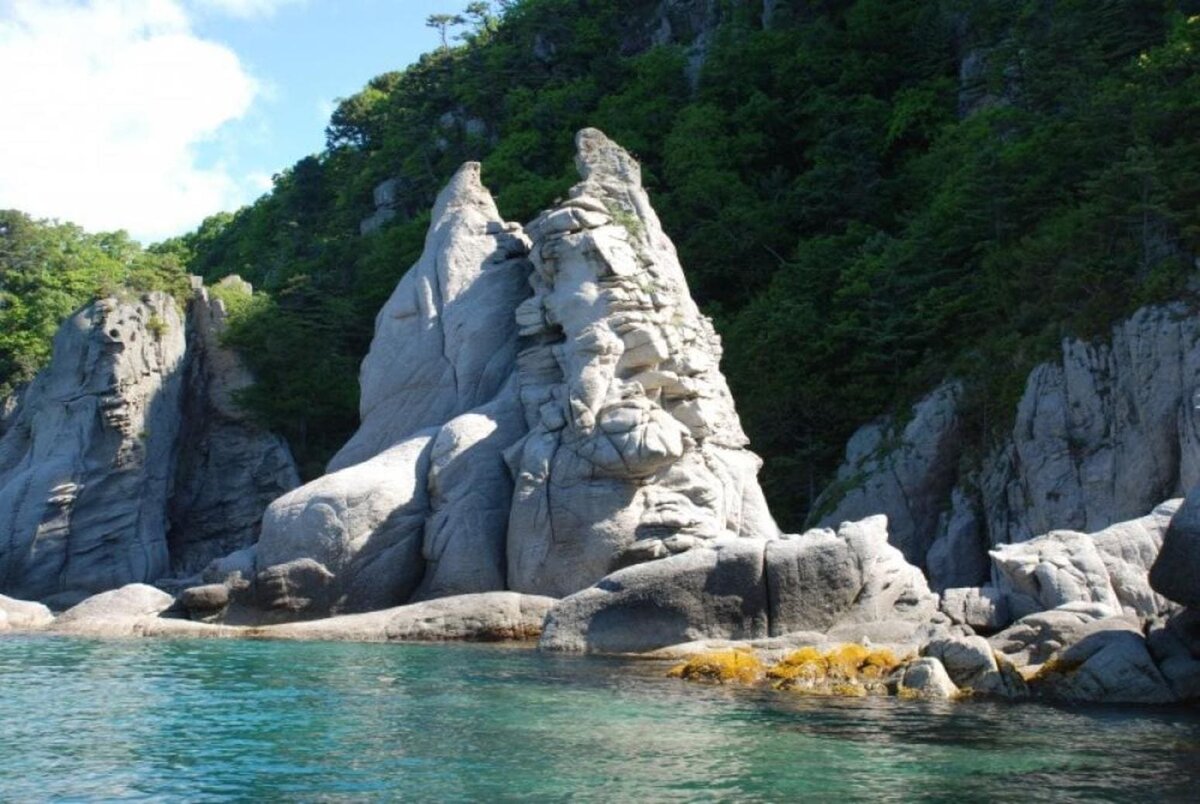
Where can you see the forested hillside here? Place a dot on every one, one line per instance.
(867, 195)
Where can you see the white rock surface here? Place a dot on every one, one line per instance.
(927, 678)
(1053, 570)
(635, 450)
(445, 342)
(982, 608)
(23, 615)
(972, 665)
(1035, 638)
(119, 612)
(1109, 666)
(417, 502)
(1104, 435)
(710, 592)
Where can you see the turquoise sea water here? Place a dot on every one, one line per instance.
(214, 720)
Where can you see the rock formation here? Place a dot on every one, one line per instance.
(635, 450)
(88, 459)
(568, 356)
(1101, 436)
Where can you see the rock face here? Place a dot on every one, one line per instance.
(127, 436)
(1101, 436)
(634, 449)
(905, 474)
(417, 502)
(229, 469)
(748, 589)
(1176, 571)
(87, 465)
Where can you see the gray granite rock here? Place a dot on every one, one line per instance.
(118, 612)
(981, 608)
(972, 665)
(821, 579)
(1175, 573)
(87, 462)
(927, 678)
(904, 473)
(1033, 639)
(716, 591)
(1110, 665)
(635, 450)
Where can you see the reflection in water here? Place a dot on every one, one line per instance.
(201, 720)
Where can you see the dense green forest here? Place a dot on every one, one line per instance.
(867, 195)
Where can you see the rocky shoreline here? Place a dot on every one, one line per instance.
(550, 451)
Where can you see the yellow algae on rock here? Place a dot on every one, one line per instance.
(721, 667)
(847, 670)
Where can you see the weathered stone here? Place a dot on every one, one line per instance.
(927, 678)
(1033, 639)
(23, 615)
(1101, 437)
(1128, 550)
(904, 474)
(715, 591)
(1175, 646)
(1175, 573)
(1108, 666)
(485, 617)
(972, 665)
(1058, 568)
(445, 341)
(981, 608)
(86, 463)
(119, 612)
(820, 579)
(958, 556)
(633, 434)
(229, 469)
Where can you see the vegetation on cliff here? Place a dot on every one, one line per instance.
(866, 194)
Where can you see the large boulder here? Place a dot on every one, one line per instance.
(118, 612)
(1176, 571)
(1034, 638)
(635, 450)
(23, 615)
(446, 340)
(416, 504)
(821, 579)
(87, 462)
(712, 592)
(850, 584)
(484, 617)
(1110, 665)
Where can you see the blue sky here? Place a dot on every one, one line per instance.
(149, 115)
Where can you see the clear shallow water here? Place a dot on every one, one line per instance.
(208, 720)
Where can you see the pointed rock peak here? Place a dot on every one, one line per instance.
(598, 158)
(465, 189)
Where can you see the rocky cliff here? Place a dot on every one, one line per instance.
(120, 464)
(1101, 435)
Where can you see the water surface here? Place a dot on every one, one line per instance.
(212, 720)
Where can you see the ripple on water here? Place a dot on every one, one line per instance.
(207, 720)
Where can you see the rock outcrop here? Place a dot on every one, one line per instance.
(229, 469)
(635, 450)
(416, 503)
(851, 581)
(124, 460)
(87, 465)
(1101, 436)
(539, 408)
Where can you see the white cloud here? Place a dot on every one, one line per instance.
(104, 106)
(244, 8)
